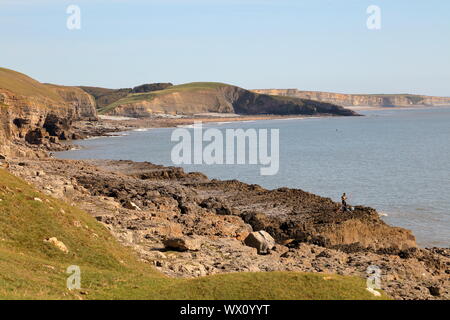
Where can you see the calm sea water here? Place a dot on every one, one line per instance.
(397, 161)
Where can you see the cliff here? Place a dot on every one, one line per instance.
(203, 97)
(348, 100)
(33, 113)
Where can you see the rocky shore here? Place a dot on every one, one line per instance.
(109, 125)
(187, 225)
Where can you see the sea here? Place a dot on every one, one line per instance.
(394, 160)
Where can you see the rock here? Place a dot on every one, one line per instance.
(160, 255)
(261, 240)
(435, 291)
(131, 206)
(280, 249)
(54, 139)
(324, 254)
(77, 224)
(35, 136)
(58, 244)
(217, 205)
(37, 199)
(183, 244)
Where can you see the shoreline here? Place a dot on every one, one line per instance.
(111, 124)
(188, 121)
(107, 127)
(143, 205)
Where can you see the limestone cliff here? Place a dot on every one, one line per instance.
(347, 100)
(203, 97)
(32, 113)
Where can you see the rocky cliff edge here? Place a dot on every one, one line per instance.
(33, 113)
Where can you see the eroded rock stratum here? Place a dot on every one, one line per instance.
(35, 114)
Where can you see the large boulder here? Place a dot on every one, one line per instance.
(183, 244)
(261, 240)
(58, 244)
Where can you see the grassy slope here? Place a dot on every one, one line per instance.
(26, 86)
(33, 269)
(138, 97)
(105, 97)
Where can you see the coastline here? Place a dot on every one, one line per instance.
(108, 125)
(111, 124)
(144, 205)
(423, 240)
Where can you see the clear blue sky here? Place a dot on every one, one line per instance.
(307, 44)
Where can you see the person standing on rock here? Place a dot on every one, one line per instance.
(344, 202)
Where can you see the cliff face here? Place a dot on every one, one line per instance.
(360, 100)
(195, 98)
(83, 105)
(33, 113)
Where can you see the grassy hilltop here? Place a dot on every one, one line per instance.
(33, 269)
(204, 97)
(148, 96)
(23, 85)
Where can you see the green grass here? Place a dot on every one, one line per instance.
(131, 98)
(33, 269)
(105, 97)
(138, 97)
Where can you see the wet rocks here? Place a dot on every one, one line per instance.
(261, 240)
(217, 205)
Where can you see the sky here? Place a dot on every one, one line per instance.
(321, 45)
